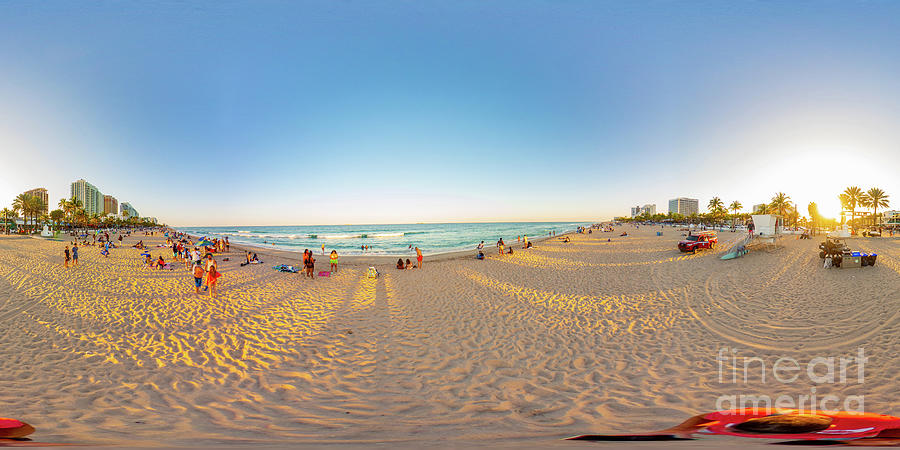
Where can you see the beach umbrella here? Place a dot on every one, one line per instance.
(205, 243)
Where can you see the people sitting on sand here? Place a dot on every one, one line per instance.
(160, 263)
(529, 245)
(247, 261)
(480, 255)
(400, 264)
(624, 233)
(409, 265)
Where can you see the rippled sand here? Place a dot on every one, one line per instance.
(563, 339)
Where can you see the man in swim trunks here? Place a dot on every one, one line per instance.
(75, 254)
(198, 277)
(419, 257)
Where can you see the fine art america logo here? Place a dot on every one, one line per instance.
(783, 371)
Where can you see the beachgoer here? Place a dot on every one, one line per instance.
(480, 246)
(212, 277)
(160, 263)
(500, 245)
(419, 258)
(66, 263)
(409, 264)
(211, 265)
(323, 249)
(310, 265)
(198, 277)
(334, 259)
(400, 264)
(75, 255)
(525, 241)
(227, 244)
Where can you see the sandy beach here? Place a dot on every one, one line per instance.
(590, 336)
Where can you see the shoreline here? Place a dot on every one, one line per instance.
(280, 256)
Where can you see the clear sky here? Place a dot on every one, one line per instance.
(261, 112)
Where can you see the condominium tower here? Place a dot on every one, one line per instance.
(90, 197)
(684, 206)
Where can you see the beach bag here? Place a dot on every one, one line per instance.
(372, 273)
(324, 273)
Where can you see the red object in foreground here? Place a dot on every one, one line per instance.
(12, 428)
(849, 428)
(704, 239)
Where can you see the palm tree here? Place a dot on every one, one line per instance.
(21, 204)
(874, 198)
(715, 207)
(735, 206)
(780, 204)
(6, 213)
(853, 196)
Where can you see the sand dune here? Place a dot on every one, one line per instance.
(566, 338)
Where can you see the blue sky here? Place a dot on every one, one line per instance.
(230, 113)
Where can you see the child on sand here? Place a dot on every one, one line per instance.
(198, 277)
(334, 258)
(66, 263)
(212, 278)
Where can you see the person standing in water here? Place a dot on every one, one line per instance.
(323, 249)
(419, 257)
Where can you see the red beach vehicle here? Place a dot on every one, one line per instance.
(694, 242)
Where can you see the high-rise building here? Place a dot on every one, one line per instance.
(635, 211)
(684, 206)
(90, 197)
(128, 211)
(110, 205)
(649, 210)
(42, 194)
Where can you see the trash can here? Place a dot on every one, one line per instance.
(851, 260)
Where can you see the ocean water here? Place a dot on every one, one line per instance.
(383, 239)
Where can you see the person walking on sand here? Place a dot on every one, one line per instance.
(75, 255)
(211, 267)
(66, 263)
(198, 277)
(212, 279)
(419, 257)
(334, 258)
(500, 246)
(323, 249)
(525, 241)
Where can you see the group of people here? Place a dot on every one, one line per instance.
(309, 262)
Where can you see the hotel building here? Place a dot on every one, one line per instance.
(684, 206)
(42, 194)
(110, 205)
